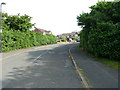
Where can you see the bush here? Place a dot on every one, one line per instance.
(16, 33)
(100, 34)
(12, 40)
(63, 39)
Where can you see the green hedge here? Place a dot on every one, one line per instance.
(15, 39)
(16, 33)
(101, 32)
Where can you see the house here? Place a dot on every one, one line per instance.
(69, 36)
(44, 32)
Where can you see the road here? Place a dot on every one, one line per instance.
(51, 67)
(45, 67)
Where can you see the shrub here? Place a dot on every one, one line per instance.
(12, 40)
(100, 34)
(16, 33)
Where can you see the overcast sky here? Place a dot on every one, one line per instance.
(59, 16)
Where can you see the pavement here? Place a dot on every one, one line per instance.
(98, 74)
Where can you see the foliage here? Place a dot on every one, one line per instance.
(12, 40)
(101, 30)
(112, 63)
(63, 39)
(16, 34)
(73, 38)
(16, 22)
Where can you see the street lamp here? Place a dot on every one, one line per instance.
(1, 15)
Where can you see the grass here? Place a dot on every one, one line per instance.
(111, 63)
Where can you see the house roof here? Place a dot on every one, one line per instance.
(68, 34)
(41, 30)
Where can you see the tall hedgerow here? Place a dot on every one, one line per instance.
(16, 33)
(101, 30)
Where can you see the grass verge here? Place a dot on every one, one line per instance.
(111, 63)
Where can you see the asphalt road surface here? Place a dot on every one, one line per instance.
(51, 67)
(39, 67)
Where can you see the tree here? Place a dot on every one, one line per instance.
(63, 39)
(100, 34)
(16, 33)
(16, 22)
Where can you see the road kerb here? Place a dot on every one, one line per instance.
(12, 55)
(43, 46)
(84, 82)
(21, 53)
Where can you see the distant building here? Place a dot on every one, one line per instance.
(69, 36)
(44, 32)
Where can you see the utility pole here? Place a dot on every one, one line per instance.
(1, 15)
(1, 26)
